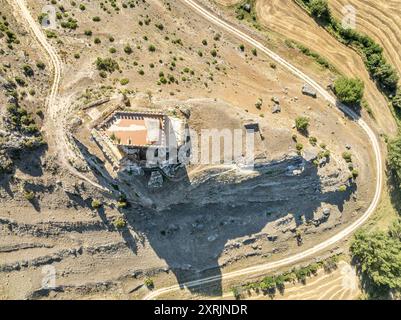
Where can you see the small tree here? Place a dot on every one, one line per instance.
(320, 10)
(397, 100)
(128, 49)
(236, 293)
(347, 156)
(302, 124)
(149, 283)
(349, 91)
(119, 223)
(96, 204)
(29, 195)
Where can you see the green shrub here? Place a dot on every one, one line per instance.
(50, 34)
(40, 65)
(349, 91)
(302, 124)
(107, 64)
(119, 223)
(70, 24)
(28, 71)
(320, 10)
(397, 101)
(96, 204)
(124, 81)
(29, 195)
(313, 141)
(128, 49)
(236, 293)
(394, 157)
(355, 173)
(378, 257)
(42, 17)
(149, 283)
(347, 156)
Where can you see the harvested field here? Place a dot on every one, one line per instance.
(287, 18)
(380, 20)
(339, 284)
(215, 218)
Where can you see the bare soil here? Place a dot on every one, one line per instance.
(214, 218)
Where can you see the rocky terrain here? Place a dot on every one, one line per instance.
(107, 239)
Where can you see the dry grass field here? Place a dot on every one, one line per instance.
(167, 57)
(379, 19)
(286, 18)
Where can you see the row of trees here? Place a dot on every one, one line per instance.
(378, 255)
(380, 70)
(349, 90)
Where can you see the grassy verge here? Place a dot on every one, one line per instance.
(271, 284)
(314, 55)
(376, 251)
(380, 70)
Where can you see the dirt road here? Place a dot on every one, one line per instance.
(326, 95)
(56, 112)
(55, 124)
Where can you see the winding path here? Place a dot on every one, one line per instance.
(53, 108)
(328, 97)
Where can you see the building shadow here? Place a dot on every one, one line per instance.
(191, 236)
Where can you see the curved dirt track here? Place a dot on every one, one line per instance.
(54, 126)
(53, 110)
(327, 243)
(379, 19)
(339, 284)
(287, 18)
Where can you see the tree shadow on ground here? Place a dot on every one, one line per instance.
(191, 236)
(355, 109)
(29, 162)
(393, 184)
(372, 290)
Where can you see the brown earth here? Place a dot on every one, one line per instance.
(212, 220)
(380, 20)
(286, 18)
(341, 283)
